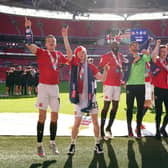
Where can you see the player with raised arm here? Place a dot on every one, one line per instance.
(82, 94)
(49, 61)
(160, 82)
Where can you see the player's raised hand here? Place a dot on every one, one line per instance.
(65, 30)
(27, 22)
(158, 42)
(144, 51)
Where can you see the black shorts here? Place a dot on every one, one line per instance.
(9, 82)
(30, 82)
(18, 81)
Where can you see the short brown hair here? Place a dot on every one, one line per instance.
(50, 36)
(133, 42)
(162, 46)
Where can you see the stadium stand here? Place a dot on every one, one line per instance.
(85, 33)
(84, 29)
(7, 27)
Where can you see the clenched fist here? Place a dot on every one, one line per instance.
(65, 31)
(27, 22)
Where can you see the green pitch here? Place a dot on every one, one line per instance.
(121, 152)
(20, 152)
(27, 104)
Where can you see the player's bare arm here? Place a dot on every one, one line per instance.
(136, 59)
(102, 77)
(155, 52)
(145, 52)
(29, 37)
(66, 42)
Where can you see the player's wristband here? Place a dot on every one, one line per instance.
(28, 36)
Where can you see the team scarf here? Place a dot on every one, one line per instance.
(127, 67)
(73, 89)
(28, 36)
(154, 69)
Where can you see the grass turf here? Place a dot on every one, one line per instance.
(27, 104)
(21, 104)
(20, 152)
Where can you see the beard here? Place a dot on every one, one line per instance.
(115, 49)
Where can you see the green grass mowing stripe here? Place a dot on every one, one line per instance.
(20, 105)
(27, 104)
(121, 152)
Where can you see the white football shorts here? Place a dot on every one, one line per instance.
(48, 95)
(111, 93)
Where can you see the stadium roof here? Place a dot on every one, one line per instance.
(121, 9)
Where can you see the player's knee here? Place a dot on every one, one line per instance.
(96, 126)
(114, 109)
(77, 123)
(76, 126)
(106, 105)
(54, 117)
(41, 120)
(42, 117)
(95, 121)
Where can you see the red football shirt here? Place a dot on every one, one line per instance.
(93, 68)
(161, 79)
(114, 74)
(47, 74)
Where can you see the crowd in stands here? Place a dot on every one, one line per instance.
(90, 31)
(41, 26)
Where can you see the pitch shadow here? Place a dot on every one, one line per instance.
(112, 156)
(131, 155)
(153, 153)
(45, 164)
(68, 163)
(98, 161)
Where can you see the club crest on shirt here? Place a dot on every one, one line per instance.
(106, 97)
(40, 104)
